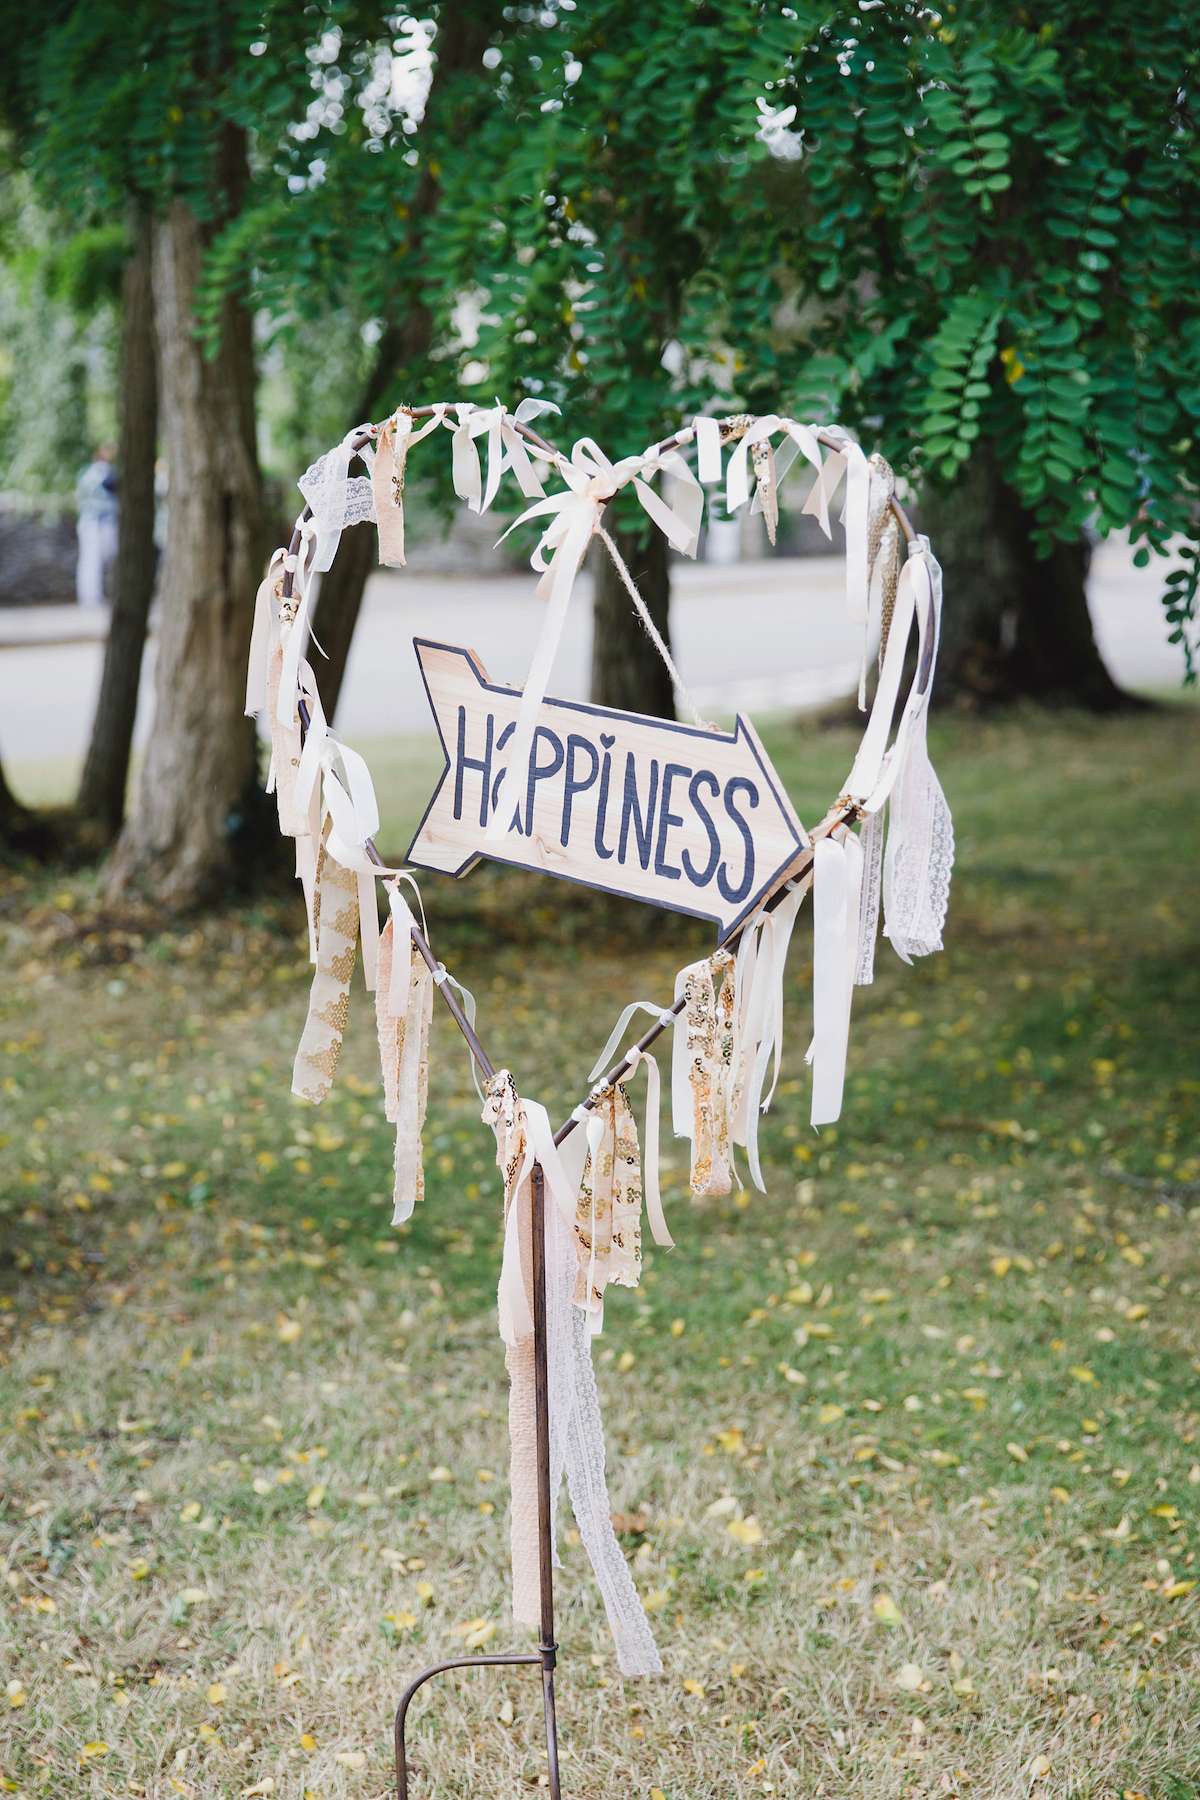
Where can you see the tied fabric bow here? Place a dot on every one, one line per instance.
(506, 449)
(572, 518)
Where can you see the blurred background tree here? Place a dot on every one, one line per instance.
(971, 236)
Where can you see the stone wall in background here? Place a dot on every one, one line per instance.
(37, 554)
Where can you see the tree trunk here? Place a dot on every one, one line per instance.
(200, 761)
(11, 811)
(627, 670)
(1014, 626)
(105, 773)
(459, 45)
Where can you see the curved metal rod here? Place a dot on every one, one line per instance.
(456, 1662)
(684, 435)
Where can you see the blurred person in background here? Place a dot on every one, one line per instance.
(96, 499)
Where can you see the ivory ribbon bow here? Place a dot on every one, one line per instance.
(506, 449)
(572, 517)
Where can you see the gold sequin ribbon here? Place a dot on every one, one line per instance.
(608, 1216)
(710, 1031)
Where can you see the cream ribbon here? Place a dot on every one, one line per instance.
(708, 449)
(760, 1021)
(651, 1191)
(850, 460)
(304, 591)
(515, 1286)
(664, 1016)
(837, 883)
(506, 449)
(263, 637)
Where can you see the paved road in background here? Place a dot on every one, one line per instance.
(754, 636)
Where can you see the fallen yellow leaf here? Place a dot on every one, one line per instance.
(218, 1693)
(886, 1610)
(1174, 1589)
(352, 1759)
(746, 1531)
(97, 1748)
(287, 1330)
(1018, 1452)
(692, 1686)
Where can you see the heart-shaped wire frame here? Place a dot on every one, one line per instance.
(844, 811)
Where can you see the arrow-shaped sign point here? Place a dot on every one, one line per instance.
(695, 821)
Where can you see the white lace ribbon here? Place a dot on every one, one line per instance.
(336, 498)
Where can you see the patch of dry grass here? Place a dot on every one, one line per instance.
(944, 1383)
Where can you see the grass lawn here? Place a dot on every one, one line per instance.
(915, 1440)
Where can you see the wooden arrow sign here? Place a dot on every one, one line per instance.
(695, 821)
